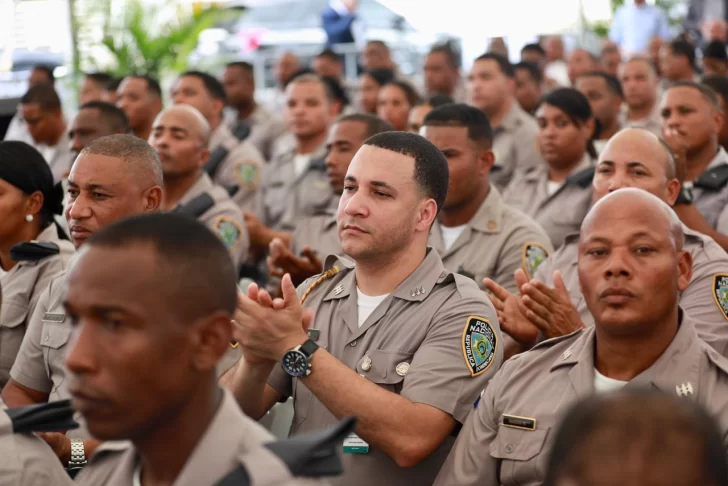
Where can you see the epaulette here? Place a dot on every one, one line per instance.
(583, 178)
(547, 343)
(318, 164)
(197, 207)
(53, 416)
(713, 179)
(215, 160)
(32, 251)
(241, 131)
(322, 278)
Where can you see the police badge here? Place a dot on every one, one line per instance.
(534, 255)
(479, 345)
(720, 292)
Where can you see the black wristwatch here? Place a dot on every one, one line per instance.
(685, 196)
(297, 361)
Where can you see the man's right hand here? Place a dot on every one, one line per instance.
(512, 313)
(282, 261)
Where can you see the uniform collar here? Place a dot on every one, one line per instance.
(720, 158)
(222, 136)
(513, 119)
(541, 172)
(318, 153)
(202, 185)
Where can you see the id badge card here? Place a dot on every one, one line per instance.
(353, 444)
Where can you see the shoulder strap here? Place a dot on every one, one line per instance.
(583, 178)
(318, 164)
(54, 416)
(241, 131)
(215, 161)
(322, 278)
(197, 207)
(713, 179)
(33, 251)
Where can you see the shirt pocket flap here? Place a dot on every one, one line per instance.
(384, 367)
(13, 313)
(55, 335)
(516, 444)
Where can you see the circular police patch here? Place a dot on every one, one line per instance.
(720, 292)
(228, 231)
(533, 256)
(247, 174)
(479, 345)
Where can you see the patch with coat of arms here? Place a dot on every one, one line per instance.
(533, 256)
(479, 344)
(720, 292)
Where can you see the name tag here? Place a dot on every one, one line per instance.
(523, 423)
(353, 444)
(54, 317)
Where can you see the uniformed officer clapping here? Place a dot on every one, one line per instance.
(396, 340)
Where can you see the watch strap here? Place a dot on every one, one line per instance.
(308, 348)
(78, 454)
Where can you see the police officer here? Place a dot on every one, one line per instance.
(557, 193)
(140, 97)
(94, 120)
(632, 266)
(491, 89)
(605, 98)
(691, 121)
(233, 160)
(265, 126)
(160, 358)
(317, 236)
(476, 234)
(180, 135)
(397, 340)
(113, 177)
(633, 158)
(31, 251)
(640, 84)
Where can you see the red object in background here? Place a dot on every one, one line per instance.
(250, 39)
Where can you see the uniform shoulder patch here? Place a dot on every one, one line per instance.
(479, 344)
(228, 230)
(720, 292)
(247, 173)
(534, 254)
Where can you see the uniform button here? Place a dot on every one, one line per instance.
(46, 338)
(509, 449)
(353, 343)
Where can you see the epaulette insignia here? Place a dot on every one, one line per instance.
(324, 277)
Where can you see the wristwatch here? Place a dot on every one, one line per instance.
(78, 457)
(297, 361)
(686, 194)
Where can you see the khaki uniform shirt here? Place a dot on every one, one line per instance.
(223, 218)
(288, 198)
(22, 286)
(320, 232)
(265, 128)
(418, 343)
(494, 244)
(230, 440)
(712, 202)
(242, 167)
(26, 460)
(561, 213)
(542, 384)
(705, 300)
(652, 123)
(514, 145)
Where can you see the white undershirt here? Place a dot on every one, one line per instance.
(450, 235)
(367, 304)
(552, 187)
(300, 163)
(604, 384)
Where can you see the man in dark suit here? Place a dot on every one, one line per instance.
(338, 19)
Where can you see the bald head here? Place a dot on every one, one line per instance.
(188, 118)
(644, 144)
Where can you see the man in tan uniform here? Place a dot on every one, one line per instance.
(633, 158)
(112, 178)
(143, 349)
(398, 341)
(317, 236)
(180, 136)
(232, 162)
(491, 89)
(476, 234)
(140, 96)
(632, 266)
(641, 85)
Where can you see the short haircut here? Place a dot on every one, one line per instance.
(135, 152)
(707, 92)
(462, 115)
(213, 86)
(431, 173)
(413, 98)
(336, 89)
(310, 77)
(534, 48)
(381, 76)
(719, 85)
(650, 63)
(379, 43)
(503, 63)
(609, 49)
(330, 55)
(44, 95)
(373, 123)
(662, 430)
(47, 70)
(188, 254)
(613, 84)
(113, 86)
(112, 115)
(438, 100)
(532, 70)
(715, 50)
(450, 55)
(245, 66)
(685, 49)
(102, 79)
(152, 84)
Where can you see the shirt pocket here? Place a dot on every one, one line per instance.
(12, 328)
(520, 454)
(385, 368)
(275, 201)
(302, 398)
(53, 342)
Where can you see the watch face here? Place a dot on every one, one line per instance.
(295, 363)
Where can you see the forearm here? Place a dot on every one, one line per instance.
(16, 395)
(692, 218)
(386, 420)
(247, 384)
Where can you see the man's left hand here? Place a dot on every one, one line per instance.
(551, 309)
(60, 444)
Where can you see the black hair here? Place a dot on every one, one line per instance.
(685, 49)
(152, 84)
(431, 170)
(612, 83)
(102, 79)
(24, 167)
(413, 98)
(47, 70)
(212, 85)
(535, 48)
(438, 100)
(114, 84)
(330, 55)
(532, 70)
(715, 50)
(187, 252)
(308, 76)
(453, 59)
(112, 115)
(381, 76)
(337, 91)
(718, 84)
(374, 124)
(462, 115)
(44, 95)
(245, 66)
(708, 94)
(503, 63)
(139, 156)
(607, 426)
(301, 72)
(577, 108)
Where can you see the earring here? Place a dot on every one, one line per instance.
(29, 218)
